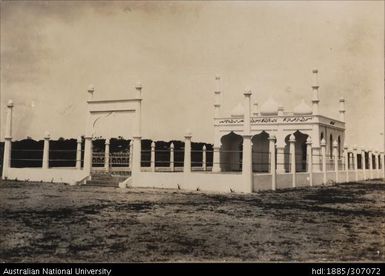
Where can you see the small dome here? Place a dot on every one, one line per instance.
(270, 107)
(238, 111)
(303, 109)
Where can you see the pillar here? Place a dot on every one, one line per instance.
(309, 160)
(323, 153)
(383, 164)
(370, 164)
(46, 150)
(317, 156)
(346, 156)
(137, 138)
(375, 164)
(355, 162)
(363, 163)
(8, 140)
(335, 157)
(217, 107)
(87, 154)
(273, 164)
(130, 154)
(204, 165)
(187, 152)
(79, 153)
(255, 109)
(315, 86)
(217, 96)
(247, 160)
(292, 160)
(216, 158)
(172, 168)
(152, 163)
(280, 157)
(342, 109)
(136, 154)
(107, 155)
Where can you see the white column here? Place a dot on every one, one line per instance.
(315, 86)
(292, 160)
(316, 152)
(187, 153)
(216, 158)
(323, 153)
(346, 156)
(335, 157)
(172, 168)
(255, 108)
(355, 162)
(309, 159)
(370, 164)
(107, 155)
(273, 165)
(204, 165)
(8, 140)
(363, 164)
(247, 161)
(383, 164)
(79, 153)
(280, 158)
(46, 150)
(152, 156)
(342, 109)
(137, 138)
(130, 154)
(376, 163)
(87, 154)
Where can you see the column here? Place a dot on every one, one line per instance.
(187, 153)
(342, 109)
(217, 105)
(204, 165)
(292, 160)
(363, 165)
(130, 154)
(216, 158)
(370, 164)
(383, 164)
(79, 153)
(87, 154)
(152, 156)
(8, 140)
(309, 159)
(346, 156)
(335, 157)
(273, 164)
(137, 138)
(355, 162)
(323, 153)
(376, 163)
(46, 151)
(136, 154)
(107, 155)
(247, 161)
(172, 157)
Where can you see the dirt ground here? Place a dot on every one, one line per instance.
(44, 222)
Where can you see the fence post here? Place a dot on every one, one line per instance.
(335, 156)
(187, 153)
(204, 165)
(355, 162)
(79, 153)
(346, 156)
(216, 159)
(46, 150)
(309, 159)
(292, 157)
(323, 152)
(130, 155)
(172, 167)
(273, 164)
(107, 155)
(8, 140)
(370, 164)
(152, 156)
(88, 154)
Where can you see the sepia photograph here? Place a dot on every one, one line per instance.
(191, 132)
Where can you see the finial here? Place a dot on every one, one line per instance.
(91, 88)
(79, 140)
(335, 144)
(46, 135)
(308, 140)
(172, 145)
(153, 144)
(138, 86)
(10, 103)
(247, 92)
(292, 138)
(188, 133)
(323, 142)
(204, 147)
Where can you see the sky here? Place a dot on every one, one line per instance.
(51, 51)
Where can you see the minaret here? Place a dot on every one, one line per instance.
(342, 109)
(315, 87)
(217, 96)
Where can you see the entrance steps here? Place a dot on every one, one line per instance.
(105, 180)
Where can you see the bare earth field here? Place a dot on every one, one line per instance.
(44, 222)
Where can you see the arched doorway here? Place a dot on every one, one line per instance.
(231, 152)
(261, 155)
(300, 152)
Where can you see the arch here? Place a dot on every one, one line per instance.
(330, 145)
(260, 152)
(231, 152)
(300, 151)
